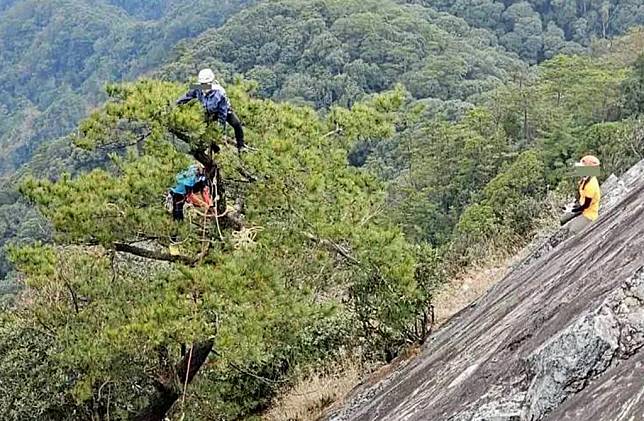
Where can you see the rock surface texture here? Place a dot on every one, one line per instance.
(561, 337)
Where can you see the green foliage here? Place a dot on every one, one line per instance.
(442, 167)
(578, 83)
(505, 217)
(633, 90)
(620, 144)
(477, 225)
(538, 29)
(516, 195)
(32, 386)
(477, 186)
(325, 266)
(332, 52)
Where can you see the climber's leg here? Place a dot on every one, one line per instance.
(579, 224)
(234, 121)
(178, 201)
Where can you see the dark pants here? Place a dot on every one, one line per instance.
(575, 222)
(234, 121)
(579, 224)
(177, 206)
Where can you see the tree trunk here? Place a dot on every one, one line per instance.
(184, 374)
(211, 169)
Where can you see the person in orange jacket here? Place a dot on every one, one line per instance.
(586, 211)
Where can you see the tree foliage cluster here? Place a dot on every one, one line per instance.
(489, 178)
(329, 52)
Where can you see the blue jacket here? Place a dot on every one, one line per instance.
(215, 101)
(186, 180)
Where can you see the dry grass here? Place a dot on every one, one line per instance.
(310, 397)
(463, 290)
(318, 394)
(315, 395)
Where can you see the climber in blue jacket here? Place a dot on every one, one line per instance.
(216, 104)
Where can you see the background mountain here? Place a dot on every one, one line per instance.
(333, 52)
(56, 57)
(327, 52)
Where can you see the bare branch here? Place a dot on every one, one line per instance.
(248, 176)
(73, 294)
(337, 130)
(154, 255)
(333, 247)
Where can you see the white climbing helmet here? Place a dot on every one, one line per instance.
(206, 76)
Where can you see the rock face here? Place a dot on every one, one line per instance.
(561, 337)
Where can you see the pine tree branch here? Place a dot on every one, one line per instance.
(333, 247)
(199, 154)
(154, 255)
(323, 241)
(116, 145)
(248, 176)
(72, 293)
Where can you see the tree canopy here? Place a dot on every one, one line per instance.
(308, 268)
(331, 52)
(538, 29)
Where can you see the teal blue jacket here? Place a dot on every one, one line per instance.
(186, 180)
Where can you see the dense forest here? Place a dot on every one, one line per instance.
(539, 29)
(330, 52)
(318, 52)
(396, 144)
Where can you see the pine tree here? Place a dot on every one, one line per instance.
(258, 290)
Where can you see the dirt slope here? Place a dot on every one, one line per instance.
(561, 337)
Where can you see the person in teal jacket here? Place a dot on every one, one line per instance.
(188, 182)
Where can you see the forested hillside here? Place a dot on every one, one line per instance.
(333, 52)
(56, 56)
(454, 179)
(538, 29)
(326, 51)
(310, 263)
(496, 106)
